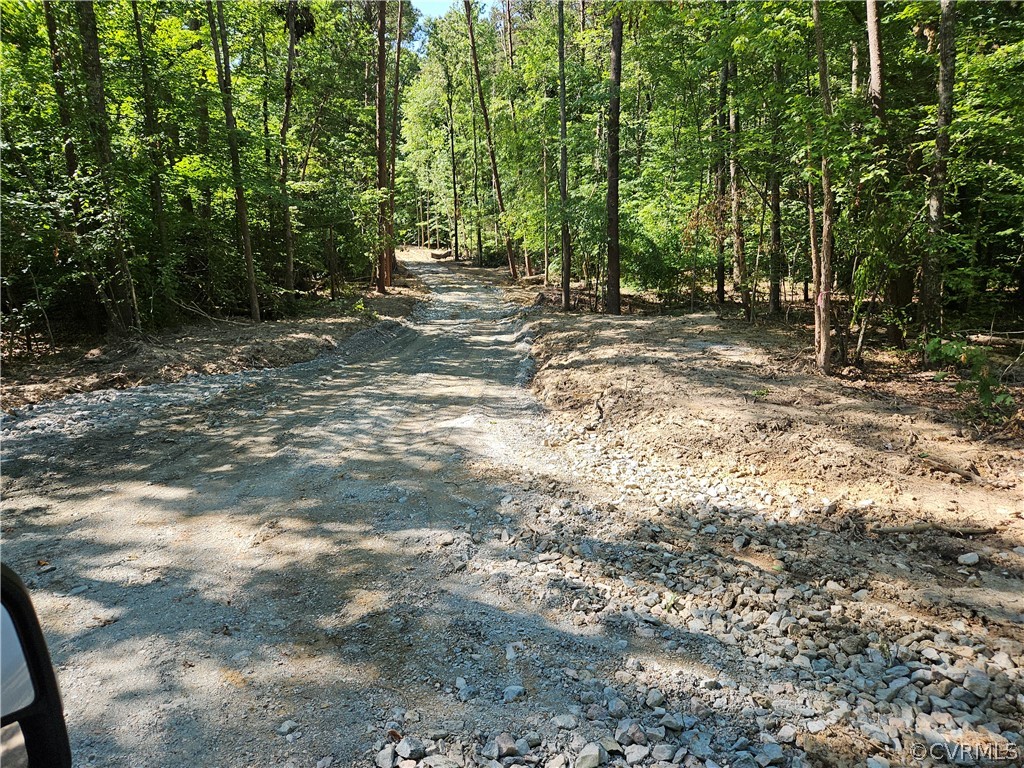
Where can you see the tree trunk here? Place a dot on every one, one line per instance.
(721, 121)
(152, 132)
(203, 129)
(70, 154)
(775, 266)
(392, 263)
(100, 131)
(934, 259)
(823, 300)
(222, 57)
(612, 300)
(455, 180)
(739, 255)
(490, 139)
(382, 150)
(876, 63)
(544, 170)
(563, 163)
(476, 192)
(63, 112)
(291, 10)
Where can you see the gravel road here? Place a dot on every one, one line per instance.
(390, 557)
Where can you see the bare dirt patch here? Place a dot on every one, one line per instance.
(727, 401)
(215, 346)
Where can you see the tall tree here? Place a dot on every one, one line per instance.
(563, 164)
(99, 129)
(876, 62)
(775, 197)
(509, 250)
(613, 299)
(394, 142)
(383, 264)
(721, 121)
(823, 299)
(739, 255)
(290, 12)
(222, 58)
(152, 132)
(933, 261)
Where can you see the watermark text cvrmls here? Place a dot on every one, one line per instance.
(966, 754)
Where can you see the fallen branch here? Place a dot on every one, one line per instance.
(198, 311)
(923, 527)
(937, 465)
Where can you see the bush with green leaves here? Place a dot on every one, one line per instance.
(974, 366)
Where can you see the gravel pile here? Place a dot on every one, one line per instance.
(790, 653)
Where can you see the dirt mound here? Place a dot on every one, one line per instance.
(218, 346)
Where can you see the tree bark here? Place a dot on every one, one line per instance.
(721, 121)
(476, 192)
(563, 163)
(99, 129)
(222, 57)
(152, 131)
(455, 179)
(823, 301)
(291, 10)
(739, 254)
(490, 140)
(71, 155)
(775, 202)
(63, 111)
(934, 259)
(544, 176)
(876, 63)
(612, 299)
(392, 263)
(382, 150)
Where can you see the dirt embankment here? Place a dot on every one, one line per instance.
(217, 346)
(739, 404)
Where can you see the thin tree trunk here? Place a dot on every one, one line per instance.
(490, 139)
(933, 261)
(613, 300)
(313, 132)
(823, 301)
(563, 163)
(392, 263)
(876, 63)
(291, 10)
(63, 112)
(721, 121)
(382, 150)
(812, 224)
(775, 204)
(455, 182)
(897, 293)
(267, 153)
(332, 261)
(152, 132)
(203, 127)
(222, 57)
(544, 166)
(739, 255)
(476, 191)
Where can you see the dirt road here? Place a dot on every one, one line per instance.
(277, 568)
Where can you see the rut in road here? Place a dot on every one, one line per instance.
(290, 547)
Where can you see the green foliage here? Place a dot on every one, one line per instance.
(975, 367)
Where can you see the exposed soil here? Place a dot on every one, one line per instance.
(397, 554)
(215, 346)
